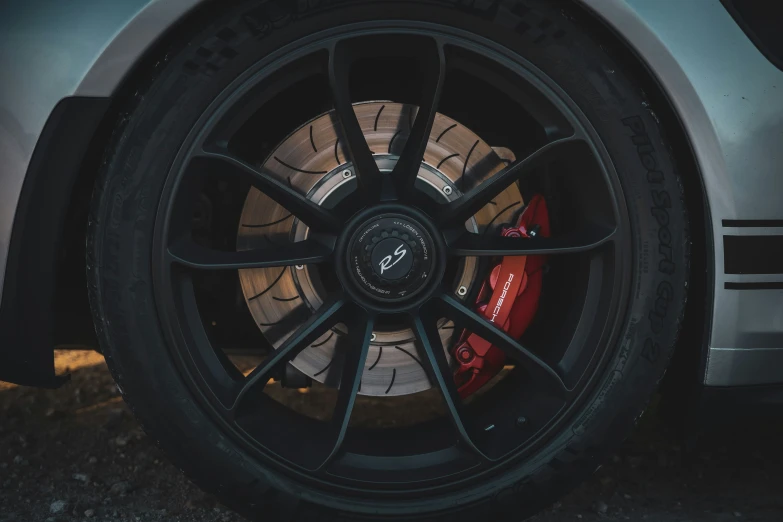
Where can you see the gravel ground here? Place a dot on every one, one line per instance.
(77, 454)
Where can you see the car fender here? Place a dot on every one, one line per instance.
(56, 87)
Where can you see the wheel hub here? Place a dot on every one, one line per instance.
(391, 257)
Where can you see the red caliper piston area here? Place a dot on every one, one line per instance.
(508, 298)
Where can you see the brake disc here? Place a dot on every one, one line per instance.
(313, 161)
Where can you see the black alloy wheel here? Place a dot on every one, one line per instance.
(333, 190)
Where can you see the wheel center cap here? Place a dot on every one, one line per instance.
(391, 257)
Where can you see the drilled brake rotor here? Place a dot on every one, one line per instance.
(313, 161)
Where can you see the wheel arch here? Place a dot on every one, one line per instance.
(693, 343)
(130, 61)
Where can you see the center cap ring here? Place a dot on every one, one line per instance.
(391, 257)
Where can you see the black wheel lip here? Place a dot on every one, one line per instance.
(235, 90)
(407, 304)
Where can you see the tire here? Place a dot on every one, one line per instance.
(127, 318)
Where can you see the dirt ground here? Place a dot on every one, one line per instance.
(77, 454)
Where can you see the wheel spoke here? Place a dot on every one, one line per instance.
(433, 66)
(360, 327)
(459, 211)
(473, 322)
(590, 237)
(341, 58)
(328, 315)
(187, 253)
(316, 217)
(434, 357)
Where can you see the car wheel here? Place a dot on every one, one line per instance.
(303, 218)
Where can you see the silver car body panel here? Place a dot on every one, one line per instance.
(51, 49)
(727, 94)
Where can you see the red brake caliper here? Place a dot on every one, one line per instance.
(508, 298)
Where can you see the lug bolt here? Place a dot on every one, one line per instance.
(373, 336)
(462, 291)
(300, 267)
(347, 174)
(447, 190)
(521, 421)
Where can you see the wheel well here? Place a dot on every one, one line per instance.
(73, 323)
